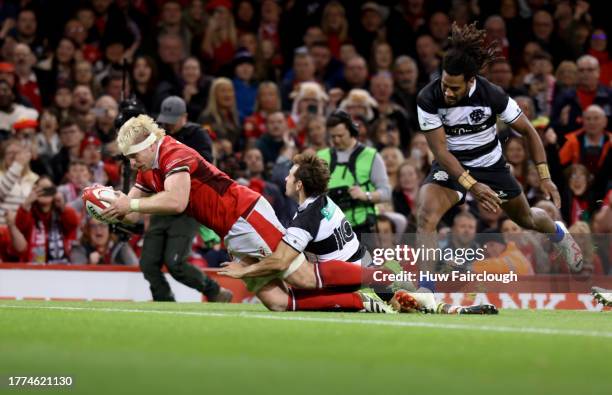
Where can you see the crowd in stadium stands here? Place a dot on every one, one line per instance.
(261, 77)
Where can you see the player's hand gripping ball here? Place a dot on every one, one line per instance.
(93, 203)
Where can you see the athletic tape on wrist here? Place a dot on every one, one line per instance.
(543, 171)
(135, 205)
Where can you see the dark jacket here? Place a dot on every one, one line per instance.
(603, 98)
(194, 136)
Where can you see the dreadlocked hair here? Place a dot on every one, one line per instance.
(468, 53)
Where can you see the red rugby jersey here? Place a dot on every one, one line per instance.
(215, 200)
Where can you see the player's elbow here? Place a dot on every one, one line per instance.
(177, 206)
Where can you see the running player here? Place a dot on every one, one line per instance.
(458, 113)
(173, 178)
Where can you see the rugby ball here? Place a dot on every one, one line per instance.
(93, 203)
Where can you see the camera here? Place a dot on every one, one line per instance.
(312, 109)
(48, 191)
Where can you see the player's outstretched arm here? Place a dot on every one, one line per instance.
(275, 263)
(173, 200)
(436, 139)
(536, 148)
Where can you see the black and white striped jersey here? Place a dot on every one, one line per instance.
(320, 230)
(471, 134)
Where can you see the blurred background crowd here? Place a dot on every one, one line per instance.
(260, 78)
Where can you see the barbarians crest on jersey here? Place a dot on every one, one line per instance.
(440, 175)
(477, 115)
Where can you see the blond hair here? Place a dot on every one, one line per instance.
(136, 129)
(212, 108)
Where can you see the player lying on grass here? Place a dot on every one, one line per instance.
(458, 113)
(320, 230)
(603, 296)
(173, 178)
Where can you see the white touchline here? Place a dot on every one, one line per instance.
(289, 317)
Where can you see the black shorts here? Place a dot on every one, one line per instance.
(497, 177)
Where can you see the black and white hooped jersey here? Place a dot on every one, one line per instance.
(320, 230)
(471, 134)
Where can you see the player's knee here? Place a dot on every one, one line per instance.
(427, 219)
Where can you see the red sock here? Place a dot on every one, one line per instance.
(304, 299)
(337, 274)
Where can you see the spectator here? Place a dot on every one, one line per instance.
(385, 134)
(84, 75)
(328, 70)
(268, 28)
(171, 52)
(355, 74)
(10, 111)
(371, 27)
(194, 87)
(599, 49)
(48, 140)
(440, 28)
(221, 36)
(591, 144)
(78, 177)
(501, 256)
(82, 103)
(27, 77)
(567, 111)
(429, 61)
(528, 243)
(381, 87)
(256, 180)
(406, 76)
(171, 21)
(71, 135)
(16, 178)
(267, 101)
(144, 81)
(106, 110)
(359, 102)
(420, 152)
(392, 158)
(495, 26)
(577, 202)
(500, 73)
(43, 229)
(244, 82)
(365, 184)
(98, 246)
(103, 173)
(59, 66)
(407, 189)
(277, 136)
(542, 28)
(303, 71)
(221, 114)
(382, 57)
(26, 32)
(461, 236)
(566, 77)
(309, 100)
(246, 21)
(541, 83)
(335, 26)
(517, 156)
(317, 138)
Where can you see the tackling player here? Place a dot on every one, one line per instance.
(321, 231)
(173, 178)
(458, 113)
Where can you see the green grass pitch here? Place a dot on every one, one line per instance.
(166, 348)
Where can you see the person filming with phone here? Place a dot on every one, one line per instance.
(43, 228)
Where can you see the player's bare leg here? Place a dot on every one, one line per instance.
(533, 218)
(603, 296)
